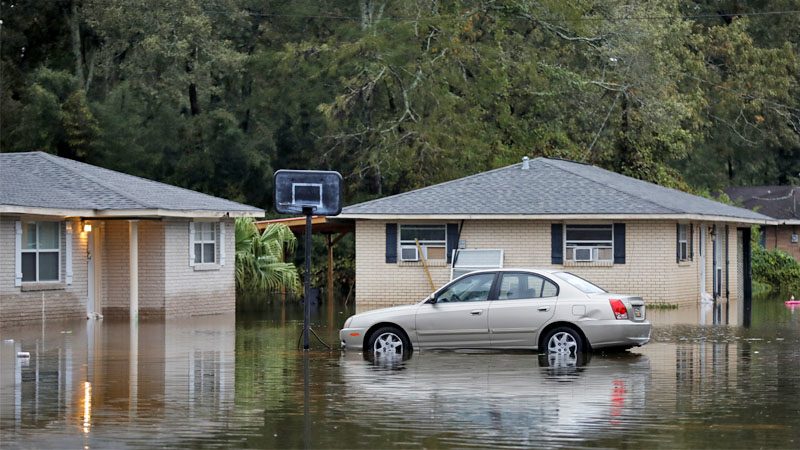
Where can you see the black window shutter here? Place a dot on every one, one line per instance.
(452, 240)
(619, 243)
(556, 243)
(391, 243)
(691, 242)
(677, 242)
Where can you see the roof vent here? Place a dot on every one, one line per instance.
(526, 163)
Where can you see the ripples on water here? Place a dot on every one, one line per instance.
(213, 382)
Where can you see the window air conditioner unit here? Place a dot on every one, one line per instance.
(409, 253)
(582, 254)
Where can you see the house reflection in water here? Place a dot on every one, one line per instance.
(79, 371)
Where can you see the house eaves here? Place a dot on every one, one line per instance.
(562, 217)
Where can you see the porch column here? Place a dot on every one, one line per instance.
(133, 239)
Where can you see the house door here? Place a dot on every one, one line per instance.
(744, 276)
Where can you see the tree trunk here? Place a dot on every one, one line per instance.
(77, 53)
(193, 103)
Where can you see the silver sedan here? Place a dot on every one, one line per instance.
(546, 310)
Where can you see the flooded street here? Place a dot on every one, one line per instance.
(218, 382)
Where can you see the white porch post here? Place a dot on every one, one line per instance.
(133, 234)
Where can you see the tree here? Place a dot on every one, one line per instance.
(260, 258)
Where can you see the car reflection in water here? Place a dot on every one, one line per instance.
(490, 395)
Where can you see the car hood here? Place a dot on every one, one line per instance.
(384, 312)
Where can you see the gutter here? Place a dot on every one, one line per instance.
(128, 213)
(562, 217)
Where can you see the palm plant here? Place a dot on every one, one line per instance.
(260, 258)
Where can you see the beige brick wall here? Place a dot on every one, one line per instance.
(168, 285)
(191, 290)
(780, 237)
(18, 306)
(116, 267)
(650, 270)
(151, 267)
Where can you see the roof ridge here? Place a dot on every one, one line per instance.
(401, 194)
(615, 188)
(92, 178)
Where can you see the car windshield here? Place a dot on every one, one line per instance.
(583, 285)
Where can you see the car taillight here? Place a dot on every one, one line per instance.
(620, 311)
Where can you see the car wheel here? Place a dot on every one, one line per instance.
(388, 341)
(564, 341)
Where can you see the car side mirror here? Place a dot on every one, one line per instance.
(431, 300)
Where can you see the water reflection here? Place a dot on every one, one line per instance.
(212, 382)
(83, 373)
(505, 399)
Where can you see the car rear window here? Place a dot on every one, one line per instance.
(581, 284)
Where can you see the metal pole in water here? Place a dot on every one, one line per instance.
(307, 279)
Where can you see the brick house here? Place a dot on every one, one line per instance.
(780, 203)
(81, 241)
(626, 235)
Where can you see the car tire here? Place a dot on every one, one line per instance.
(388, 342)
(563, 340)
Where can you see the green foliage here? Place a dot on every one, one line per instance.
(260, 259)
(215, 94)
(775, 268)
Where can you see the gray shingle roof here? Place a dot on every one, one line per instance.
(549, 187)
(779, 202)
(41, 180)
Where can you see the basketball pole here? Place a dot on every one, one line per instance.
(307, 279)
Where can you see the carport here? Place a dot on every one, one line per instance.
(333, 230)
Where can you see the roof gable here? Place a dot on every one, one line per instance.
(549, 187)
(41, 180)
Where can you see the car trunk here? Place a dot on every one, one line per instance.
(634, 304)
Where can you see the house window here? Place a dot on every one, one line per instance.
(41, 251)
(683, 242)
(205, 242)
(589, 242)
(432, 240)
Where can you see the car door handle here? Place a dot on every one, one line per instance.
(543, 308)
(476, 312)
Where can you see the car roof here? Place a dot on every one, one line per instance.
(520, 269)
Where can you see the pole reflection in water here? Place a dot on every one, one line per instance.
(133, 369)
(306, 400)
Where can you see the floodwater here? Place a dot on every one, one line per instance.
(221, 382)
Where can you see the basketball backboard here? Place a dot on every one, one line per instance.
(319, 190)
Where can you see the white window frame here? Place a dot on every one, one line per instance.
(472, 268)
(198, 226)
(401, 244)
(37, 251)
(683, 243)
(570, 246)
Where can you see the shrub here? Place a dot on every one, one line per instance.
(775, 268)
